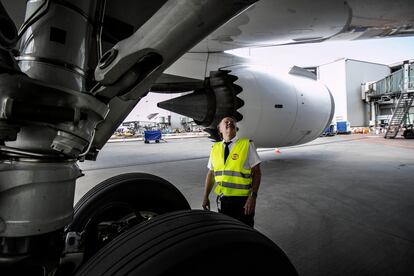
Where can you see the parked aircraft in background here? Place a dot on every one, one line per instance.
(74, 71)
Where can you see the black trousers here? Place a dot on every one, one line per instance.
(233, 206)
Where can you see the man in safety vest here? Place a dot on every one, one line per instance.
(234, 166)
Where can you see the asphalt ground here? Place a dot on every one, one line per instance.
(341, 205)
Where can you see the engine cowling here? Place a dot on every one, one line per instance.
(272, 108)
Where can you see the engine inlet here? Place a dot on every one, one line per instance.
(208, 105)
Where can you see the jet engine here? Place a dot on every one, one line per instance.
(272, 108)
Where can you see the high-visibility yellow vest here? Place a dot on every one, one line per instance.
(231, 178)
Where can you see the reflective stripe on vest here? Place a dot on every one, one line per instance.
(232, 173)
(232, 178)
(234, 186)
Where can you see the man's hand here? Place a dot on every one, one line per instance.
(250, 205)
(208, 185)
(206, 204)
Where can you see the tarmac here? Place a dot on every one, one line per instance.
(341, 205)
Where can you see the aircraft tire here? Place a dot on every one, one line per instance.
(128, 199)
(190, 243)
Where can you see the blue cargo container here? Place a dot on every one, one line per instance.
(342, 127)
(152, 135)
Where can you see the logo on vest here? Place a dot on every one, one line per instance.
(235, 156)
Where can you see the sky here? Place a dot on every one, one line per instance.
(385, 51)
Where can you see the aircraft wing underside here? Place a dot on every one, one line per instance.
(269, 22)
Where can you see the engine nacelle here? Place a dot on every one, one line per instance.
(282, 109)
(272, 108)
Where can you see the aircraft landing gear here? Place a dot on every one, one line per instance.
(188, 243)
(112, 208)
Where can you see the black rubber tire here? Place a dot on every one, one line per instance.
(122, 193)
(190, 243)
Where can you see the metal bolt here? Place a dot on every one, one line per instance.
(107, 58)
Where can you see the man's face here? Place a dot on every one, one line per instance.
(228, 126)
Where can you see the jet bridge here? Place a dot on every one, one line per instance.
(399, 87)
